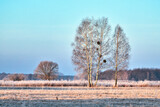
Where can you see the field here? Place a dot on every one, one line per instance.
(19, 94)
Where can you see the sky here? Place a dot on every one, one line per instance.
(37, 30)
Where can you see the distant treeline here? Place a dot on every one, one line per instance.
(4, 76)
(135, 74)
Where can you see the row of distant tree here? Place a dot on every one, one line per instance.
(135, 74)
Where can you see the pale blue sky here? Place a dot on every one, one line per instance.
(35, 30)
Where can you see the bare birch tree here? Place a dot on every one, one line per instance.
(120, 51)
(91, 48)
(81, 52)
(102, 29)
(47, 70)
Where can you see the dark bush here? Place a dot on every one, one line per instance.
(16, 77)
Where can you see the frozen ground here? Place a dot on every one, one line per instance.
(80, 97)
(82, 103)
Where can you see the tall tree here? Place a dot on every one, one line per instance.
(47, 70)
(91, 48)
(102, 43)
(81, 53)
(120, 51)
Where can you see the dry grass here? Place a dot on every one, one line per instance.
(83, 93)
(106, 83)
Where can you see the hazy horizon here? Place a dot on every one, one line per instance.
(34, 31)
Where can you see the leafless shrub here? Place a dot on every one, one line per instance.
(16, 77)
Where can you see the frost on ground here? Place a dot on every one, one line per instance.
(37, 83)
(81, 97)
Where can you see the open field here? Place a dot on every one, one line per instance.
(80, 96)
